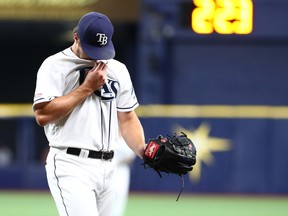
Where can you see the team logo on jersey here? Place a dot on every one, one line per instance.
(108, 92)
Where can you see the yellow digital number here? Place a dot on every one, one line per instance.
(244, 23)
(202, 16)
(222, 16)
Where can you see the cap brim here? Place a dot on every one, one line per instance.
(99, 53)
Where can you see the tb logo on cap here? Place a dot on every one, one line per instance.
(102, 39)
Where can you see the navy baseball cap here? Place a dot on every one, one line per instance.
(95, 31)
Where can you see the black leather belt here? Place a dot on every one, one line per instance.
(104, 155)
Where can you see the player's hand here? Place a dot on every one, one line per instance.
(96, 77)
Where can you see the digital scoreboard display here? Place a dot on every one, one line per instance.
(252, 18)
(222, 16)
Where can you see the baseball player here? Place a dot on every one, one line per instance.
(82, 97)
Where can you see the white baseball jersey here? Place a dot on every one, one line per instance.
(93, 124)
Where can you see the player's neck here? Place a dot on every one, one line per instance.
(75, 50)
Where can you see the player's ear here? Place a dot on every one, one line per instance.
(75, 36)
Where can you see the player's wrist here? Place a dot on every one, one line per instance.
(85, 90)
(141, 151)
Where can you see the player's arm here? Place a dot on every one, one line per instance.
(132, 131)
(60, 107)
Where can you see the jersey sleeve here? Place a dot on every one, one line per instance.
(49, 84)
(127, 99)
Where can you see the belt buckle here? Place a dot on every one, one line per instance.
(105, 155)
(102, 155)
